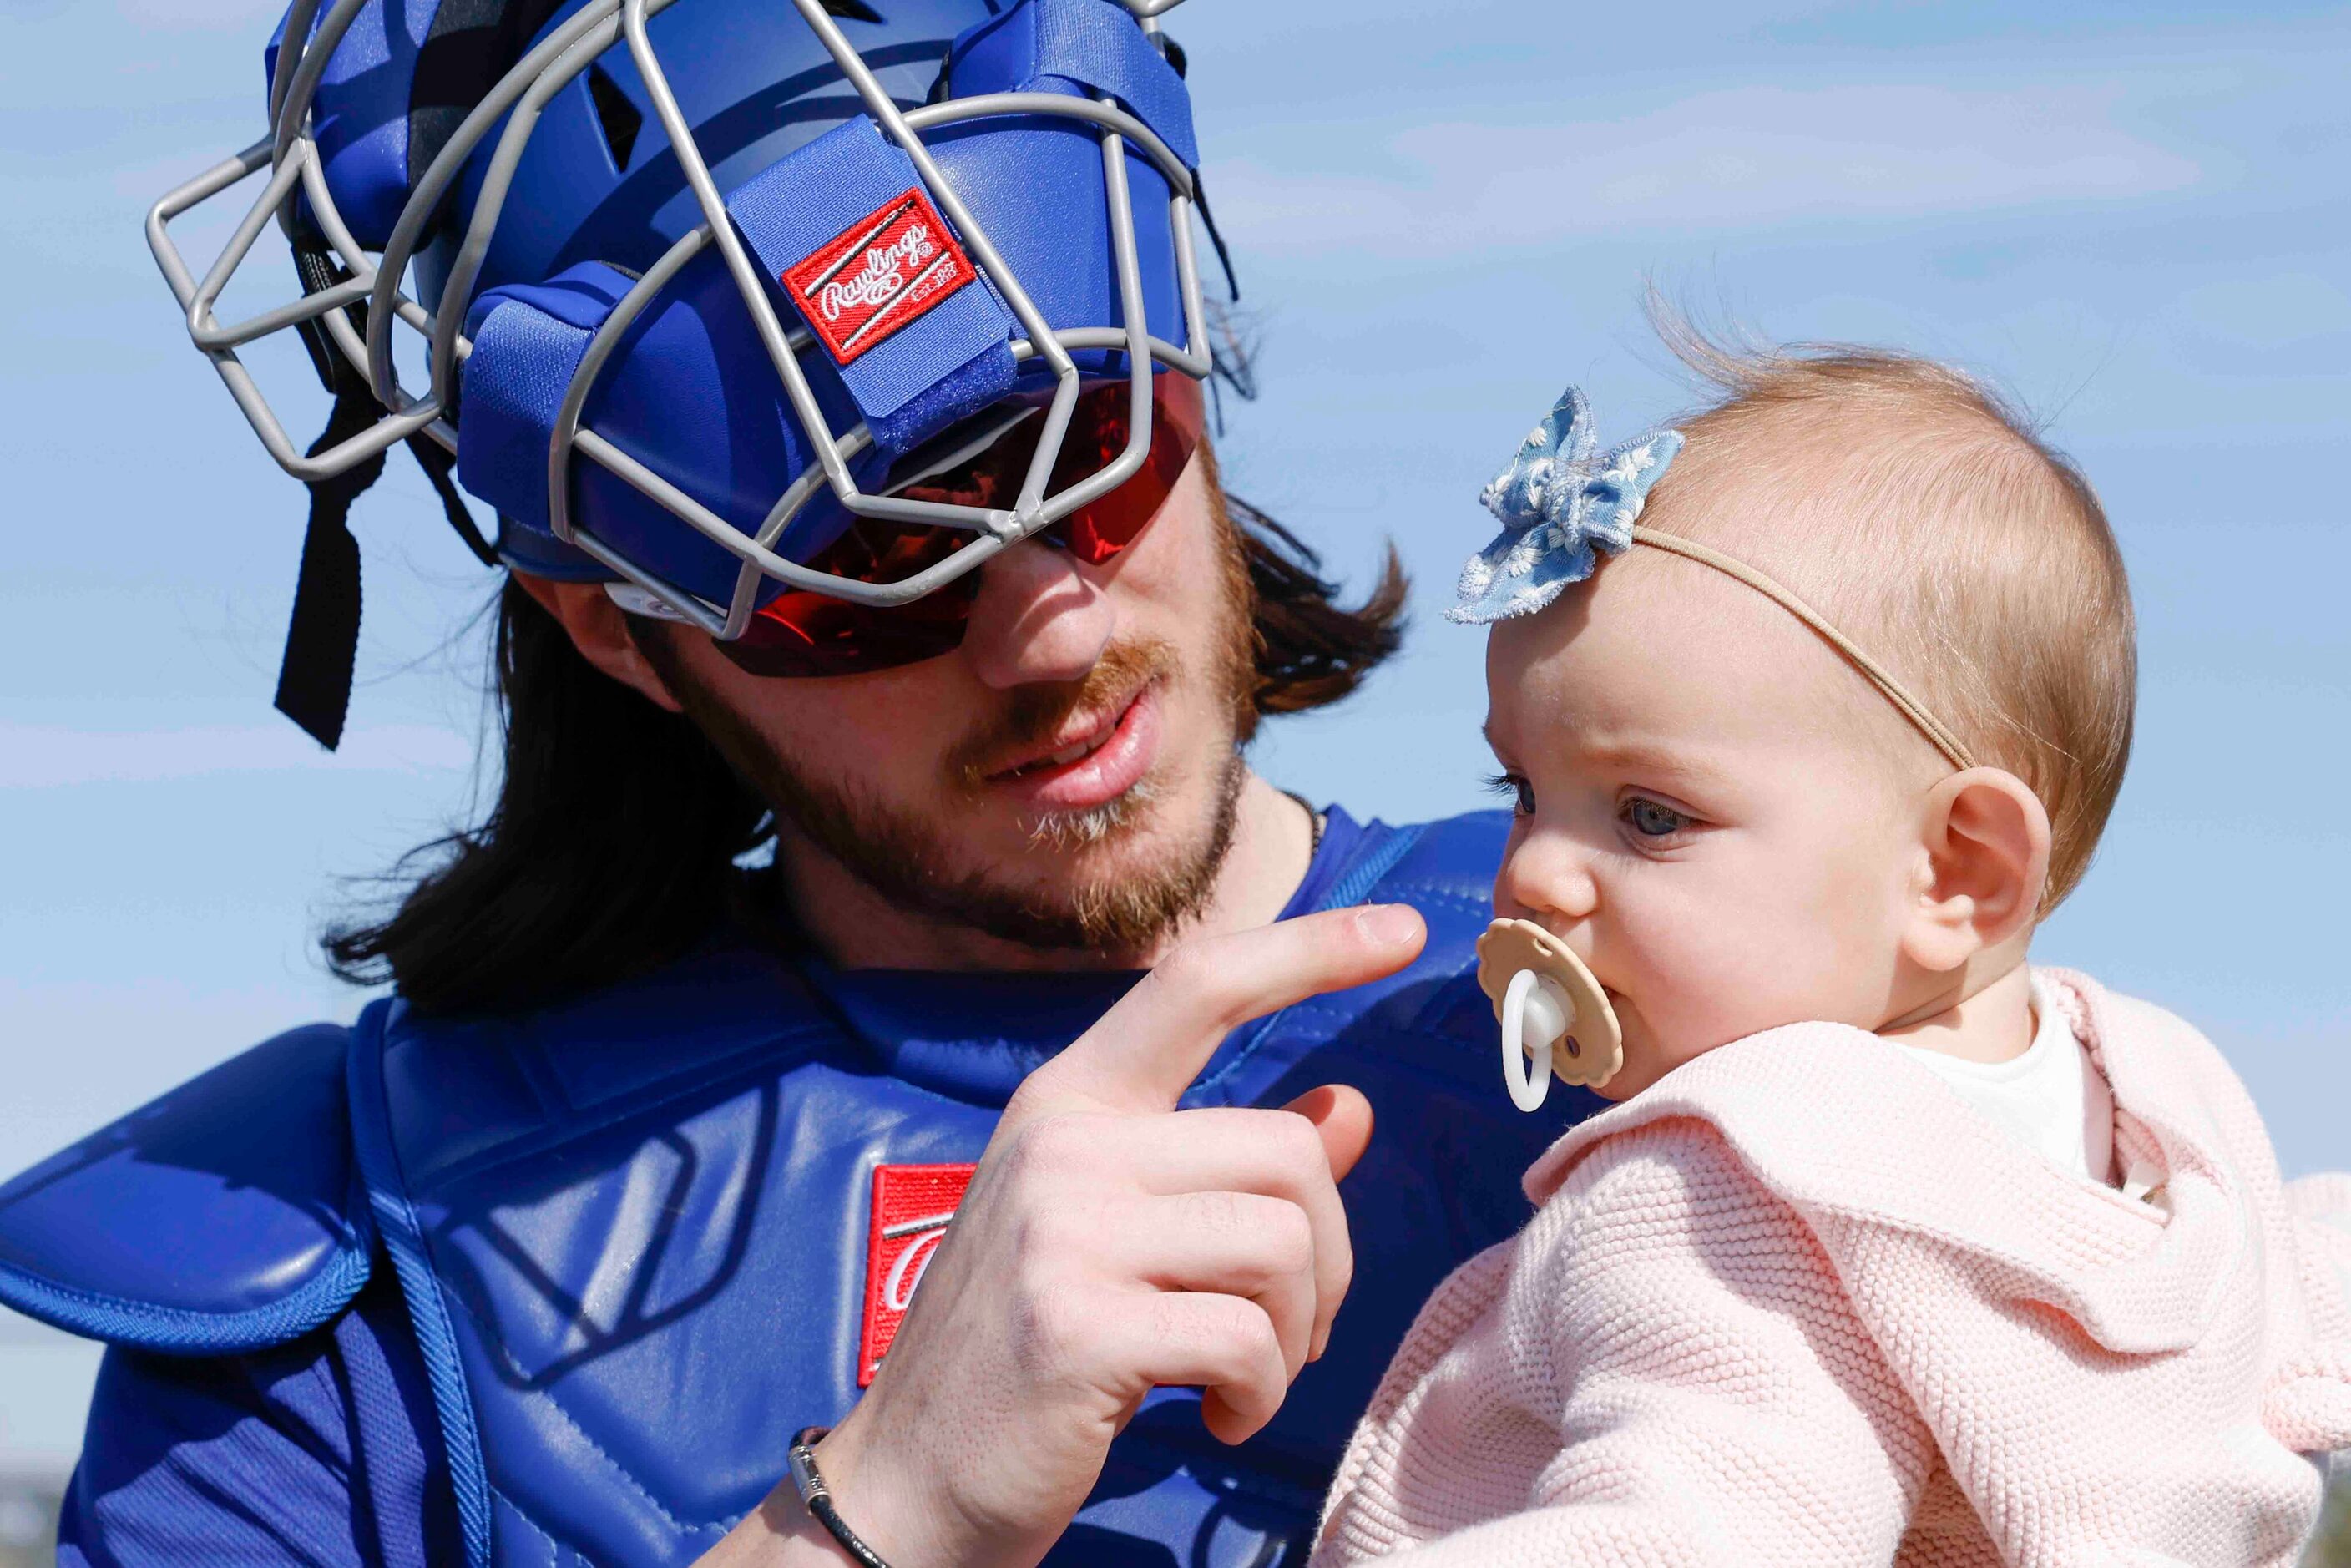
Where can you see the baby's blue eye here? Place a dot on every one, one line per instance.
(1652, 821)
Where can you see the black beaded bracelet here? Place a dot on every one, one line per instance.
(808, 1482)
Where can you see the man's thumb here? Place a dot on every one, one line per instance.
(1343, 1118)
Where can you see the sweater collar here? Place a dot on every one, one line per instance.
(1871, 1140)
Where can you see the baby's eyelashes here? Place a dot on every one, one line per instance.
(1647, 820)
(1513, 787)
(1651, 826)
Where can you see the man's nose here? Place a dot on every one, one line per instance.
(1546, 878)
(1038, 618)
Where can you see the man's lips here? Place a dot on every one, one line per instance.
(1092, 761)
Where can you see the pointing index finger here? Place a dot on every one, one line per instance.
(1145, 1052)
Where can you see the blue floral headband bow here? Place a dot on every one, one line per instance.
(1561, 507)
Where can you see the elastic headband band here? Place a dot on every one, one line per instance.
(1938, 734)
(1562, 505)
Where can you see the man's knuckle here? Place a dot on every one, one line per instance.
(1223, 1215)
(1254, 1338)
(1054, 1150)
(1029, 1095)
(1182, 963)
(1340, 1267)
(1225, 1340)
(1299, 1144)
(1198, 973)
(1289, 1238)
(1048, 1327)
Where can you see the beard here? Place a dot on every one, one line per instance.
(1108, 903)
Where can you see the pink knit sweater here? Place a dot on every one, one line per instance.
(1797, 1304)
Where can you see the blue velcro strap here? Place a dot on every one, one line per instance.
(951, 361)
(1069, 45)
(528, 339)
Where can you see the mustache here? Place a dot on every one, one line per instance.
(1033, 716)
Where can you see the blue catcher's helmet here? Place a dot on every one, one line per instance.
(702, 282)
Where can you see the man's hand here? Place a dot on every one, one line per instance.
(1109, 1244)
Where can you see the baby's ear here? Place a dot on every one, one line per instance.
(1986, 838)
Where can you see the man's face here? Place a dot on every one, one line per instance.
(1066, 779)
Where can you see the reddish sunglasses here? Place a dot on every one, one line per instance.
(799, 632)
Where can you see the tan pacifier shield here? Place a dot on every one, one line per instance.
(1594, 1049)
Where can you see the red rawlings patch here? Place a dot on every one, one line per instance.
(878, 275)
(911, 1205)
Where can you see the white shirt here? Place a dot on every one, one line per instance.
(2052, 1099)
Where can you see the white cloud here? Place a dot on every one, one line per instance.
(1741, 159)
(36, 757)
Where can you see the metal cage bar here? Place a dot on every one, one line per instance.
(518, 99)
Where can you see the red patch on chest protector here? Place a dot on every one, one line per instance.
(911, 1205)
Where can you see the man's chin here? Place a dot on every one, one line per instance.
(1111, 882)
(1114, 879)
(1100, 834)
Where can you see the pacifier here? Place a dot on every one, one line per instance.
(1544, 997)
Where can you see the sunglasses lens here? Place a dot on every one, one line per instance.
(1100, 529)
(799, 633)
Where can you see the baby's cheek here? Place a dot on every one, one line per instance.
(1721, 968)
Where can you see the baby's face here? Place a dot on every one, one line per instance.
(1720, 817)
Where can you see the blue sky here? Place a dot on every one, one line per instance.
(2134, 218)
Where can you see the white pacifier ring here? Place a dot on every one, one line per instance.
(1541, 990)
(1526, 1054)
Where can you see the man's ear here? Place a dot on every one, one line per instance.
(1986, 841)
(601, 632)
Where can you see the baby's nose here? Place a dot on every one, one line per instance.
(1547, 880)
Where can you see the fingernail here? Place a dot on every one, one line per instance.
(1386, 922)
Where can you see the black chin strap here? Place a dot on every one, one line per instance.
(322, 639)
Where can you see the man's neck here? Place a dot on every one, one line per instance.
(855, 927)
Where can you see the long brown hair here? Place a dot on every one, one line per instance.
(612, 845)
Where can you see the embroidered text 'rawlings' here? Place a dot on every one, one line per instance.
(878, 275)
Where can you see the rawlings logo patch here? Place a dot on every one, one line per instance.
(911, 1205)
(878, 275)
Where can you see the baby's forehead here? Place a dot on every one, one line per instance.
(1660, 653)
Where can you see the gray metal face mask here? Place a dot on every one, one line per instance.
(708, 480)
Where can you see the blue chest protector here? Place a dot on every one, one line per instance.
(633, 1233)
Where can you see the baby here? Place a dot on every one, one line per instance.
(1895, 1248)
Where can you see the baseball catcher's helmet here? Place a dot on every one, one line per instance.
(703, 286)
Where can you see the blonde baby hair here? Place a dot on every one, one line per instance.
(1921, 513)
